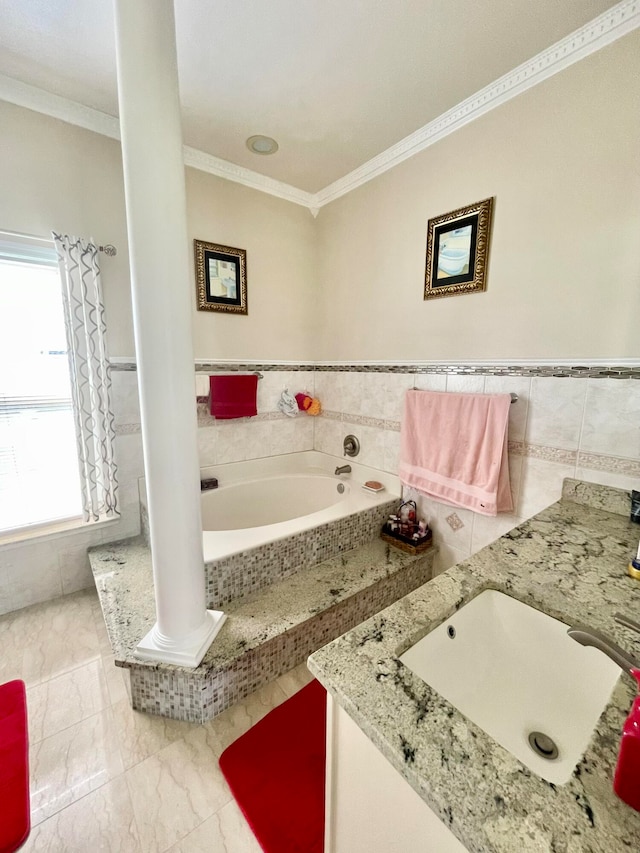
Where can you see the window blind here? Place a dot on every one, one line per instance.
(39, 479)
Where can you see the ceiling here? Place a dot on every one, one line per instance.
(335, 82)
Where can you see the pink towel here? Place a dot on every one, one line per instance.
(453, 447)
(233, 396)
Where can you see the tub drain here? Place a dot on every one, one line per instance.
(543, 745)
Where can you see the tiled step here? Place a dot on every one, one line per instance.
(264, 635)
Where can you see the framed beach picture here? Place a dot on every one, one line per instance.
(457, 251)
(221, 278)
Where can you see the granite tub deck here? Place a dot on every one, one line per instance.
(570, 562)
(264, 635)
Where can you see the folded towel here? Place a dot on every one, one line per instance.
(233, 396)
(453, 447)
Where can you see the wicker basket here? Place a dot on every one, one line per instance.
(421, 545)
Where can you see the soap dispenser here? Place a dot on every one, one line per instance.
(626, 781)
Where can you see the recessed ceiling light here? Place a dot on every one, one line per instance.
(262, 144)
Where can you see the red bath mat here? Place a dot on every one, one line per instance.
(14, 767)
(276, 772)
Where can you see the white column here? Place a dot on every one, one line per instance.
(162, 293)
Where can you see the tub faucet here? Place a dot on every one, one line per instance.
(343, 469)
(590, 637)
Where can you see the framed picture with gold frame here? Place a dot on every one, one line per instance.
(221, 278)
(457, 251)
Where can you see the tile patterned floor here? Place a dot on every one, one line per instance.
(105, 777)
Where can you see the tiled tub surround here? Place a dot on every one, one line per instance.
(247, 572)
(571, 420)
(561, 426)
(568, 561)
(263, 637)
(250, 559)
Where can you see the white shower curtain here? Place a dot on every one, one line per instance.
(90, 375)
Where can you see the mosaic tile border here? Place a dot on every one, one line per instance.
(583, 459)
(240, 575)
(577, 371)
(548, 454)
(560, 371)
(614, 464)
(194, 698)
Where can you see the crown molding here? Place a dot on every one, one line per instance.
(601, 31)
(247, 177)
(33, 98)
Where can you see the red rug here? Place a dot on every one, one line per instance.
(276, 772)
(15, 821)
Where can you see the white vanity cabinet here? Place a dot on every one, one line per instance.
(370, 808)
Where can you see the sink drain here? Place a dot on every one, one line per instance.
(543, 745)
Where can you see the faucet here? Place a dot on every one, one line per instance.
(590, 637)
(343, 469)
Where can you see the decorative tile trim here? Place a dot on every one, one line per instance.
(363, 420)
(593, 371)
(250, 366)
(571, 371)
(454, 521)
(228, 366)
(614, 464)
(207, 420)
(562, 456)
(331, 416)
(550, 454)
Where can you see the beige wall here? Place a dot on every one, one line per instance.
(57, 176)
(561, 161)
(279, 238)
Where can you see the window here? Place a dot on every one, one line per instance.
(39, 479)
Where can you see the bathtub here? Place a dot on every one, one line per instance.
(266, 500)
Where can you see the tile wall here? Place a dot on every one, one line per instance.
(567, 426)
(582, 423)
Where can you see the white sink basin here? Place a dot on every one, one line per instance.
(513, 670)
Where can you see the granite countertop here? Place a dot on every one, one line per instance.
(124, 580)
(570, 562)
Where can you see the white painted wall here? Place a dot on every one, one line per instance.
(564, 264)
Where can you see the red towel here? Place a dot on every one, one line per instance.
(15, 822)
(233, 396)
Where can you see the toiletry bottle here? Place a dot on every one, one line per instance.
(633, 569)
(626, 781)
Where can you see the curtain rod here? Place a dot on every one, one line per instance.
(108, 248)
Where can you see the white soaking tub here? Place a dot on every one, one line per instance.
(266, 500)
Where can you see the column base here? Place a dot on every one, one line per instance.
(189, 653)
